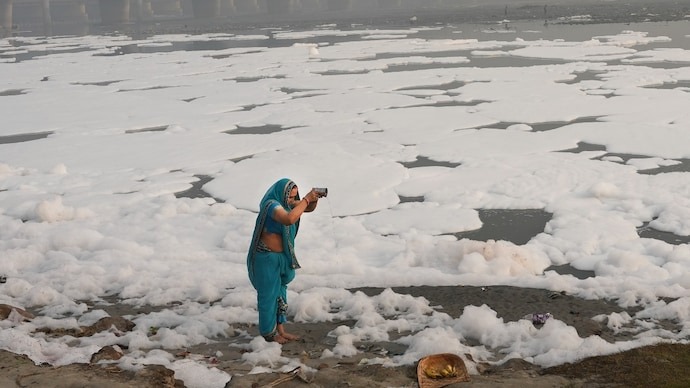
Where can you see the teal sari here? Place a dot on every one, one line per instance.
(270, 272)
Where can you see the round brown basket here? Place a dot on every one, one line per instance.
(439, 370)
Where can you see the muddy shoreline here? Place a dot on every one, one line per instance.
(225, 354)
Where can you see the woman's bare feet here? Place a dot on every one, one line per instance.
(290, 337)
(280, 339)
(284, 334)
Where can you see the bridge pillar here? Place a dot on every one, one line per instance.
(167, 7)
(205, 9)
(5, 16)
(146, 9)
(78, 11)
(389, 3)
(141, 9)
(310, 6)
(47, 18)
(73, 11)
(227, 7)
(279, 6)
(114, 11)
(338, 5)
(45, 8)
(247, 6)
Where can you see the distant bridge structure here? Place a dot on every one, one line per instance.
(13, 12)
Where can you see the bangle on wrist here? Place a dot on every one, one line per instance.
(305, 198)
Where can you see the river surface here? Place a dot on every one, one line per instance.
(490, 24)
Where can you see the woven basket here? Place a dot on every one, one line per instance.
(430, 370)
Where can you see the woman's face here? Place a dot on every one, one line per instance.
(292, 199)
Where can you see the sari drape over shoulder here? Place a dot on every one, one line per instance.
(278, 193)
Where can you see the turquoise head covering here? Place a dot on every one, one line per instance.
(278, 193)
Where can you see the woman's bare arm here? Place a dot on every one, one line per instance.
(290, 217)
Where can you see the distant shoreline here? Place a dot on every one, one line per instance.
(575, 13)
(608, 12)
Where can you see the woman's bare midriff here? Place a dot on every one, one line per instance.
(273, 241)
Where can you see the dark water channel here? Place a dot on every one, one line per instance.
(20, 138)
(515, 225)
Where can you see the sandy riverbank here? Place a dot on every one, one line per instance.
(510, 303)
